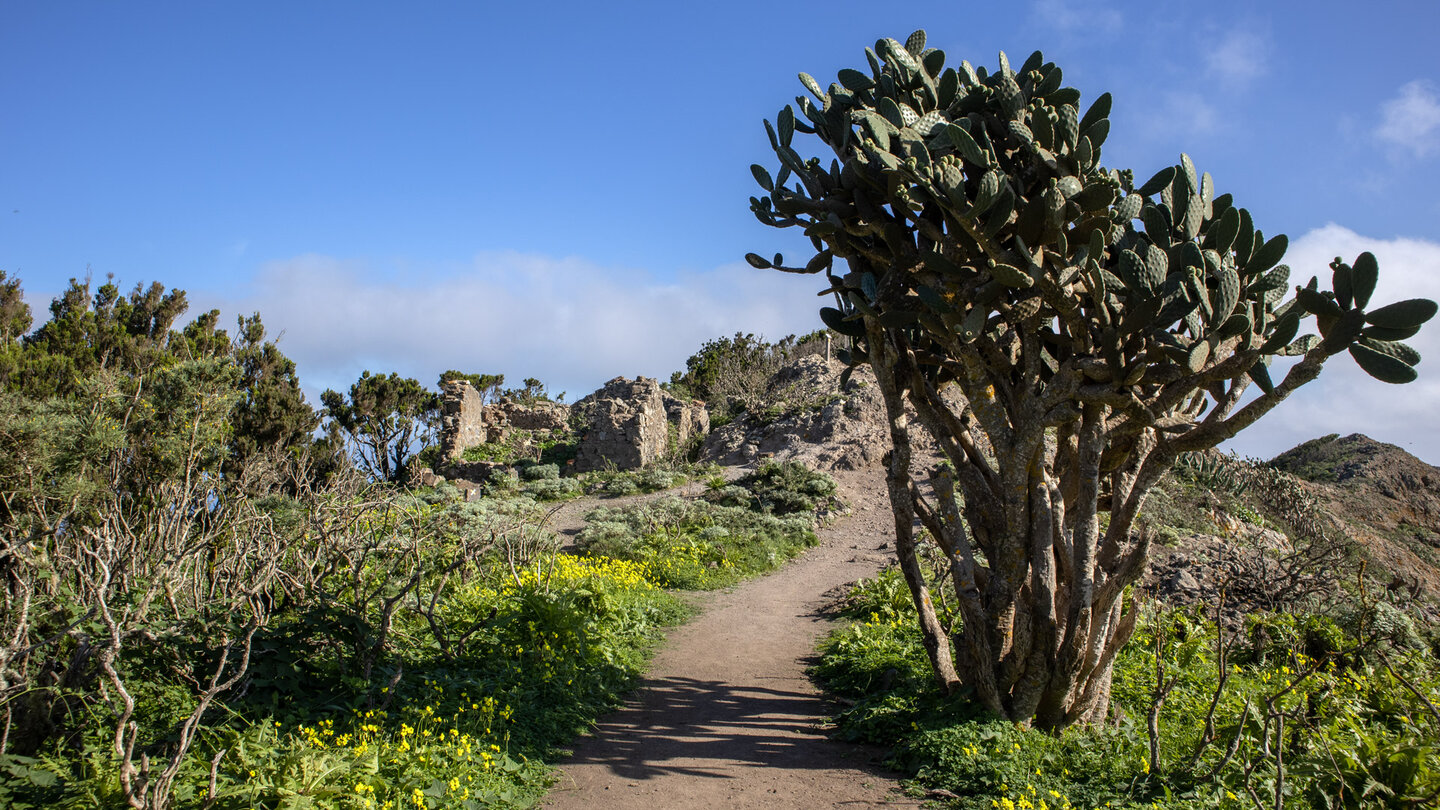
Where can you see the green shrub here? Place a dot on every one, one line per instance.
(462, 710)
(787, 488)
(540, 472)
(555, 489)
(1358, 734)
(616, 483)
(656, 480)
(620, 486)
(695, 544)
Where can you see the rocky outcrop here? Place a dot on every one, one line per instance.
(814, 419)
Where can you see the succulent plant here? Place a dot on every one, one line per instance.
(1097, 329)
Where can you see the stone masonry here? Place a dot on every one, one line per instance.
(629, 427)
(625, 425)
(462, 418)
(688, 416)
(629, 424)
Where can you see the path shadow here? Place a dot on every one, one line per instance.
(677, 725)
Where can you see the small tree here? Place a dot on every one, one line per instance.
(533, 391)
(733, 374)
(384, 418)
(487, 385)
(1095, 329)
(272, 414)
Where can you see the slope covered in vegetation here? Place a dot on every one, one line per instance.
(205, 604)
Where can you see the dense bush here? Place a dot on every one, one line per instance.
(346, 647)
(781, 488)
(617, 483)
(518, 447)
(540, 472)
(555, 489)
(732, 374)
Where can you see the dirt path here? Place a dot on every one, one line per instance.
(727, 717)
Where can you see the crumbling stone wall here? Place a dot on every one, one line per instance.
(465, 421)
(462, 418)
(540, 416)
(628, 426)
(688, 416)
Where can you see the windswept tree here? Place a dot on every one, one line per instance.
(105, 331)
(272, 414)
(530, 392)
(387, 419)
(732, 374)
(1096, 329)
(487, 385)
(134, 339)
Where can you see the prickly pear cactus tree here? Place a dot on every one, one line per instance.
(1095, 328)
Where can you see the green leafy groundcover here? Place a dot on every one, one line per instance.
(561, 639)
(694, 544)
(1358, 690)
(467, 696)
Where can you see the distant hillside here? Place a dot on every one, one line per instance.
(1333, 460)
(1387, 498)
(1219, 518)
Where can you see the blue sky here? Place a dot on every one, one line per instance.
(559, 189)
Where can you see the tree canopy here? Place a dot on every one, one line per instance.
(387, 418)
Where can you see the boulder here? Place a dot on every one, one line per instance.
(814, 419)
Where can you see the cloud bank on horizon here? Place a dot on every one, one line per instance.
(1345, 399)
(568, 322)
(575, 325)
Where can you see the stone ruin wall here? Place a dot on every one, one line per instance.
(540, 416)
(462, 420)
(688, 416)
(628, 426)
(628, 422)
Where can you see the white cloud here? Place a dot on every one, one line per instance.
(1345, 399)
(1078, 15)
(568, 322)
(1411, 120)
(1239, 58)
